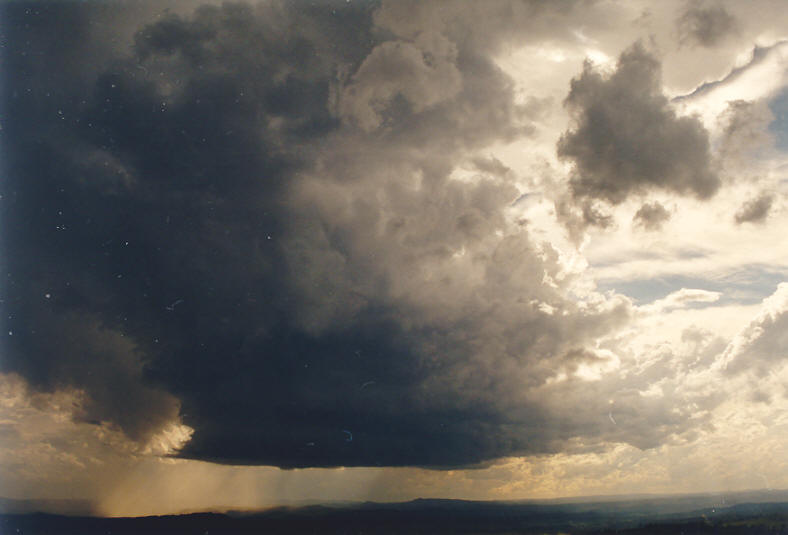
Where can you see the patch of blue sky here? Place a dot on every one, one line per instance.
(747, 285)
(779, 126)
(682, 254)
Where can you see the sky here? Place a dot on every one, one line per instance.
(279, 252)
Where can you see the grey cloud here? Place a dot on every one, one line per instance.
(481, 27)
(424, 73)
(216, 238)
(615, 407)
(651, 216)
(628, 141)
(491, 165)
(577, 217)
(155, 185)
(759, 55)
(74, 351)
(705, 26)
(745, 133)
(754, 210)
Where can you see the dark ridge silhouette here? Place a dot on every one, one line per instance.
(54, 506)
(426, 516)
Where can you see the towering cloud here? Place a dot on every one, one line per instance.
(250, 224)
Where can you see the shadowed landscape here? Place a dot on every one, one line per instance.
(690, 514)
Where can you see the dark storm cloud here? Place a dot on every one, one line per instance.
(754, 210)
(627, 140)
(651, 216)
(250, 221)
(705, 26)
(143, 202)
(74, 350)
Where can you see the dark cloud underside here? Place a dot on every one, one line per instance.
(248, 221)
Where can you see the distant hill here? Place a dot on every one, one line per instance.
(60, 507)
(654, 515)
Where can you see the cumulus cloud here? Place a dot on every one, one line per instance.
(484, 28)
(705, 25)
(627, 140)
(754, 210)
(423, 73)
(251, 224)
(651, 216)
(762, 346)
(577, 217)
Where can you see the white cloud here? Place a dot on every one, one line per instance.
(681, 299)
